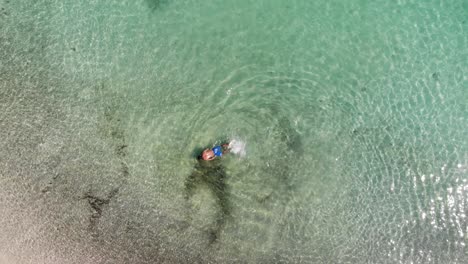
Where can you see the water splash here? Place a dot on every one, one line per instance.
(237, 147)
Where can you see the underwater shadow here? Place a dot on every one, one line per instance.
(290, 136)
(211, 174)
(155, 4)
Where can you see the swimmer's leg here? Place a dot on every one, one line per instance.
(219, 187)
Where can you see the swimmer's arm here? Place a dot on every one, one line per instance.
(225, 147)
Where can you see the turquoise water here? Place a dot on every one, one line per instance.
(354, 115)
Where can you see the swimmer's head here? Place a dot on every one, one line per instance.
(207, 154)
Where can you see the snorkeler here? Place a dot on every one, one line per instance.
(217, 151)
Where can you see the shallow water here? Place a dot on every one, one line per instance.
(353, 113)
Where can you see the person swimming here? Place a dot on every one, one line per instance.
(216, 151)
(211, 175)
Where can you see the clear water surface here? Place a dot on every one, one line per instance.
(354, 115)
